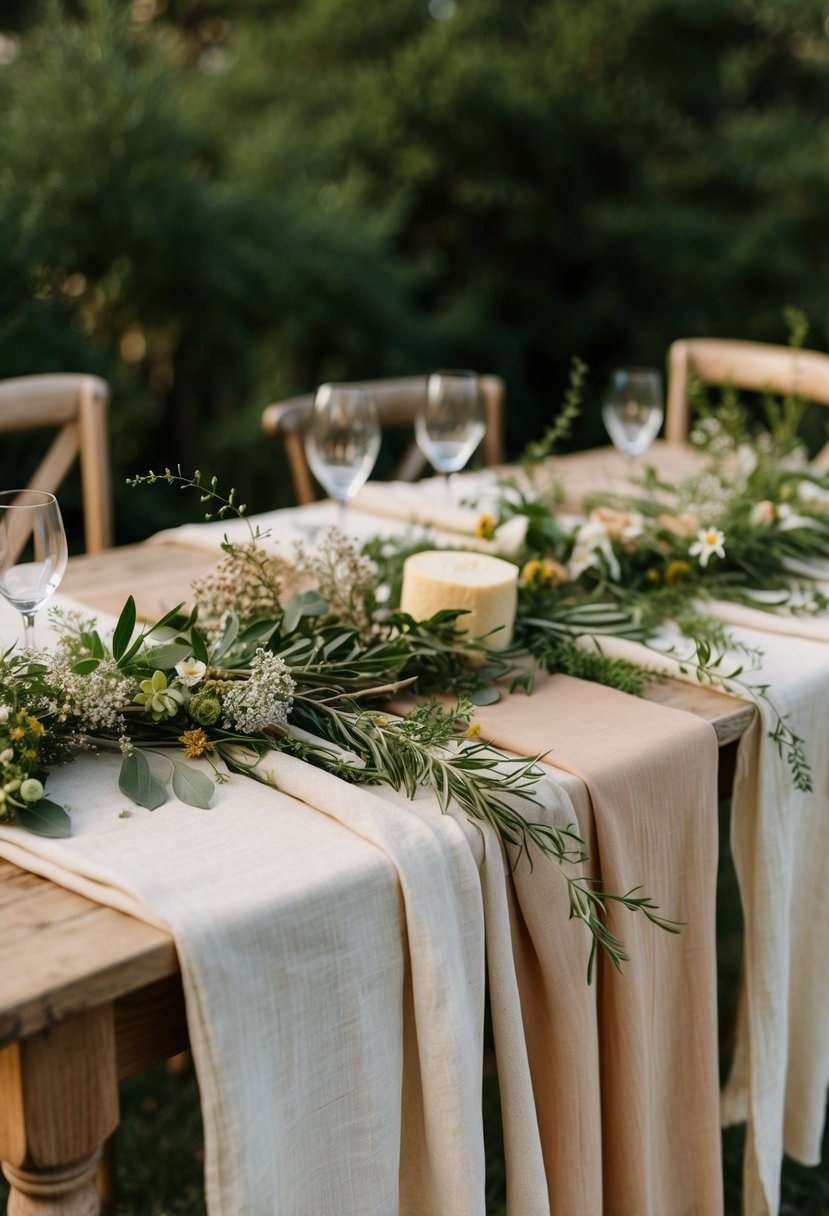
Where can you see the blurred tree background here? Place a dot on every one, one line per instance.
(216, 204)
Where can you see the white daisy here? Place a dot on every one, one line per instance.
(709, 541)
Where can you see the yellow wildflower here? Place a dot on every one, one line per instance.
(28, 753)
(473, 730)
(544, 572)
(653, 575)
(16, 734)
(35, 726)
(677, 573)
(485, 527)
(196, 743)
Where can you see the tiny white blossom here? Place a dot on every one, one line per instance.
(6, 756)
(709, 541)
(264, 699)
(190, 671)
(31, 790)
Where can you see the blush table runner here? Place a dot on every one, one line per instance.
(625, 1073)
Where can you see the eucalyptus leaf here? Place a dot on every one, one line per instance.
(168, 654)
(292, 614)
(123, 630)
(487, 695)
(45, 818)
(227, 639)
(138, 783)
(84, 666)
(191, 786)
(199, 645)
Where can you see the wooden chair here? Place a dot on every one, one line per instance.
(397, 402)
(755, 366)
(77, 406)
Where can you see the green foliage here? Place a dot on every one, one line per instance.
(219, 205)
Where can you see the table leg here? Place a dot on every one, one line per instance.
(58, 1103)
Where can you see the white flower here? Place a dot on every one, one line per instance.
(190, 671)
(817, 497)
(592, 542)
(31, 790)
(4, 714)
(264, 699)
(6, 756)
(709, 541)
(790, 520)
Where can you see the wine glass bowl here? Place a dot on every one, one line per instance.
(633, 409)
(33, 552)
(450, 422)
(342, 441)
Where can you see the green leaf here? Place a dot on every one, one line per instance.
(199, 646)
(84, 666)
(259, 631)
(123, 630)
(139, 784)
(485, 696)
(168, 654)
(191, 786)
(292, 614)
(45, 818)
(228, 637)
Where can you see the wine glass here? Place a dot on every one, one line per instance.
(633, 409)
(33, 552)
(449, 423)
(342, 440)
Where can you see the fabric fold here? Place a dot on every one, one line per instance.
(649, 817)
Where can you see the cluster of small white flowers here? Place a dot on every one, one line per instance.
(264, 699)
(248, 581)
(93, 701)
(707, 497)
(343, 577)
(711, 435)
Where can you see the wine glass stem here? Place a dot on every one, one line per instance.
(29, 629)
(341, 514)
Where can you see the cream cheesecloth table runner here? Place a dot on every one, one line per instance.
(780, 845)
(333, 967)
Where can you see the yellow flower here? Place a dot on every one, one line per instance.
(653, 575)
(677, 573)
(34, 725)
(196, 743)
(381, 720)
(16, 734)
(485, 527)
(28, 753)
(544, 572)
(473, 730)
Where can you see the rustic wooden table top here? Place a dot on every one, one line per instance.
(60, 952)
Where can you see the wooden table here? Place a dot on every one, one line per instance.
(89, 995)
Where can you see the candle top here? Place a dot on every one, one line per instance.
(462, 567)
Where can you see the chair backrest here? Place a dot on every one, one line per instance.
(397, 404)
(77, 406)
(755, 366)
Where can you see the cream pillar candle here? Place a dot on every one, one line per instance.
(485, 587)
